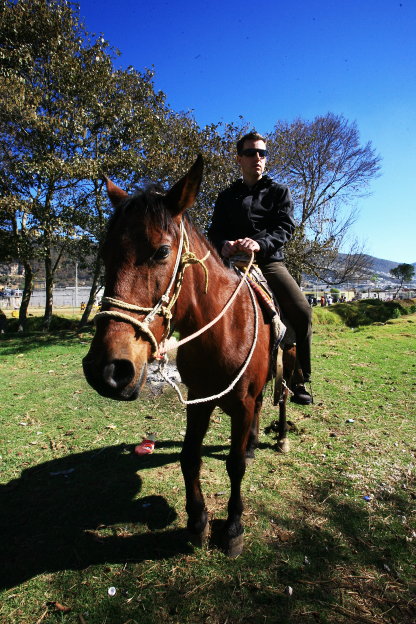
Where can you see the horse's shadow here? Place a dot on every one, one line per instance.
(84, 509)
(66, 514)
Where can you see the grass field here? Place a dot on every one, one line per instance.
(334, 520)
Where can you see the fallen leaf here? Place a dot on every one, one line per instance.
(59, 606)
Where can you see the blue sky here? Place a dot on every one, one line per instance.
(276, 60)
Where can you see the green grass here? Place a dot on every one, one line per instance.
(81, 513)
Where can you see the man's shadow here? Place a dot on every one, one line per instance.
(66, 514)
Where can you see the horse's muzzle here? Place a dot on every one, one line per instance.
(115, 379)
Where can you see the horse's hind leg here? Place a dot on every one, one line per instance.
(282, 443)
(289, 365)
(197, 425)
(253, 435)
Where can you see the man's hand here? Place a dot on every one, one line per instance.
(228, 249)
(246, 245)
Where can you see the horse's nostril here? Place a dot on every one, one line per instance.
(118, 374)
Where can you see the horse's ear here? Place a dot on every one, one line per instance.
(183, 194)
(116, 194)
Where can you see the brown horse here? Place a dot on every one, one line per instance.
(149, 244)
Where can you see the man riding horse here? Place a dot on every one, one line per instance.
(255, 214)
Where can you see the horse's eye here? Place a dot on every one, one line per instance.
(161, 253)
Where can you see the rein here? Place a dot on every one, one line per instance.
(164, 307)
(242, 370)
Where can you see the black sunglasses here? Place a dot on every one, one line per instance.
(252, 151)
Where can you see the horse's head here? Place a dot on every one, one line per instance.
(140, 254)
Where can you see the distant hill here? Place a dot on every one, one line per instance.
(384, 266)
(381, 267)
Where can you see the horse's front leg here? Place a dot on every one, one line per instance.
(197, 425)
(241, 424)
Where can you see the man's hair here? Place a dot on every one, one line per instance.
(251, 136)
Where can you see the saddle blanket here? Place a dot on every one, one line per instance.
(258, 283)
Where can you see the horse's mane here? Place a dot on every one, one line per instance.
(148, 202)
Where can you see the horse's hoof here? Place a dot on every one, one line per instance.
(250, 452)
(200, 540)
(234, 546)
(283, 446)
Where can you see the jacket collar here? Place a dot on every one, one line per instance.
(264, 182)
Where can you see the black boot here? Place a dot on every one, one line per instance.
(301, 395)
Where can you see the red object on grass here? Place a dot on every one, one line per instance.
(145, 448)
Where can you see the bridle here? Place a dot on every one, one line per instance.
(164, 308)
(165, 304)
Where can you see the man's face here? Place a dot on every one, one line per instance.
(252, 166)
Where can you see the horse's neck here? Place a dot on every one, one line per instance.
(203, 295)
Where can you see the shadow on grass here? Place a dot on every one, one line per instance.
(342, 555)
(50, 516)
(368, 311)
(81, 510)
(10, 344)
(66, 513)
(57, 324)
(332, 561)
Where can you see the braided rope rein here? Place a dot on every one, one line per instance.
(237, 378)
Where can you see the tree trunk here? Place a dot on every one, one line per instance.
(94, 288)
(49, 292)
(50, 270)
(27, 293)
(398, 290)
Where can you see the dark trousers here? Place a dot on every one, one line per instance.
(295, 308)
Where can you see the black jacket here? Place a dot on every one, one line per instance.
(263, 212)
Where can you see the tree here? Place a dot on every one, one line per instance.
(404, 273)
(68, 117)
(327, 170)
(19, 240)
(122, 114)
(141, 140)
(46, 61)
(179, 141)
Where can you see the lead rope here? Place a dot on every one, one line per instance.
(220, 315)
(240, 374)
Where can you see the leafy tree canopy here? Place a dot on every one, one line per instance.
(67, 116)
(403, 272)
